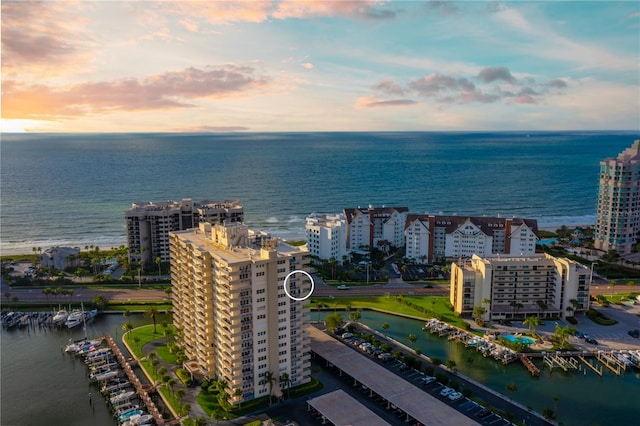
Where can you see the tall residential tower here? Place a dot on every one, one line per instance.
(617, 224)
(229, 302)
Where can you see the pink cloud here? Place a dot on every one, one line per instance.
(368, 102)
(308, 65)
(43, 38)
(163, 91)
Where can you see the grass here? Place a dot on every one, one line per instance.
(141, 306)
(620, 297)
(437, 306)
(600, 318)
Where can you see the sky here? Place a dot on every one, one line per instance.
(250, 66)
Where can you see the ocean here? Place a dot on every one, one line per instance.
(73, 189)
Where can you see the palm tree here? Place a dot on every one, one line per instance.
(612, 285)
(355, 316)
(152, 312)
(532, 322)
(286, 381)
(127, 327)
(268, 379)
(162, 371)
(168, 291)
(516, 306)
(238, 393)
(512, 387)
(385, 326)
(47, 291)
(412, 339)
(478, 312)
(171, 383)
(180, 393)
(159, 263)
(542, 305)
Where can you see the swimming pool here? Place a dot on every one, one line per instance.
(524, 340)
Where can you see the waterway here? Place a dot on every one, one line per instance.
(583, 398)
(44, 386)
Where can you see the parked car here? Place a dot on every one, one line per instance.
(446, 391)
(590, 340)
(404, 367)
(347, 335)
(385, 357)
(454, 396)
(428, 379)
(342, 287)
(485, 412)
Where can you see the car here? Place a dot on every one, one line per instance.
(634, 333)
(590, 340)
(446, 391)
(404, 367)
(385, 357)
(428, 379)
(356, 342)
(342, 287)
(485, 412)
(347, 335)
(454, 396)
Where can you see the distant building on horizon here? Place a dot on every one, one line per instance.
(617, 223)
(430, 237)
(327, 236)
(516, 287)
(148, 224)
(229, 302)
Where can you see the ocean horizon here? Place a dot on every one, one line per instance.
(73, 189)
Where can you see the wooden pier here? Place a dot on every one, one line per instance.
(555, 360)
(141, 390)
(611, 362)
(535, 371)
(596, 368)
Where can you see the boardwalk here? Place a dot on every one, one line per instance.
(141, 390)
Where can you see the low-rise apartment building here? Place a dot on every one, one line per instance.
(429, 238)
(148, 224)
(516, 287)
(374, 226)
(235, 318)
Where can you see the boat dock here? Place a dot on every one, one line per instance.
(141, 390)
(611, 362)
(535, 371)
(597, 368)
(555, 360)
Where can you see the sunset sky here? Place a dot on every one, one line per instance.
(114, 66)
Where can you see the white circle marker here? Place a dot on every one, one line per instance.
(298, 298)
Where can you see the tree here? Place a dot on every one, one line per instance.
(168, 291)
(612, 284)
(516, 306)
(171, 383)
(561, 335)
(478, 312)
(285, 381)
(127, 327)
(355, 316)
(238, 394)
(532, 322)
(385, 326)
(412, 339)
(268, 379)
(162, 371)
(548, 413)
(159, 263)
(542, 305)
(153, 312)
(512, 387)
(136, 340)
(100, 301)
(451, 364)
(179, 394)
(184, 410)
(333, 321)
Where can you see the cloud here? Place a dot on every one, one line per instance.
(367, 10)
(557, 83)
(367, 102)
(389, 87)
(491, 74)
(443, 8)
(435, 83)
(210, 129)
(162, 91)
(308, 65)
(43, 38)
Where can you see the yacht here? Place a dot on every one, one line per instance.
(75, 318)
(60, 316)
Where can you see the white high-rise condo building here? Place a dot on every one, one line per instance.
(516, 287)
(373, 226)
(327, 236)
(617, 222)
(149, 223)
(235, 319)
(430, 238)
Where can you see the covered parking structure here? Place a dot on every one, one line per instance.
(341, 409)
(416, 405)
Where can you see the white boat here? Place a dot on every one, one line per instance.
(90, 314)
(75, 318)
(60, 316)
(82, 346)
(138, 420)
(127, 415)
(104, 375)
(122, 396)
(109, 388)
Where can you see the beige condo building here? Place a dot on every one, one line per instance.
(517, 287)
(229, 302)
(617, 213)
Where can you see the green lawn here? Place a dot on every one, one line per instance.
(433, 306)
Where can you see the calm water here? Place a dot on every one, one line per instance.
(583, 399)
(74, 189)
(43, 386)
